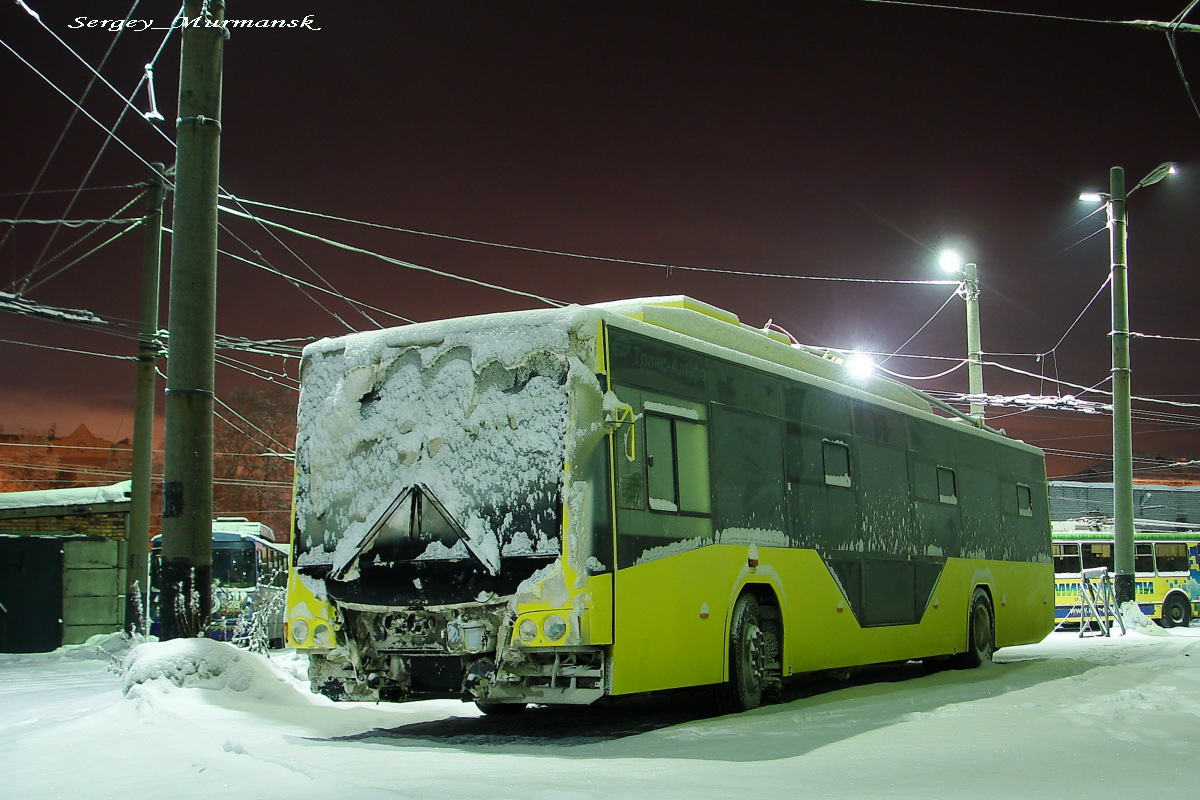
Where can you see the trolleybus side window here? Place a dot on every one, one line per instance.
(836, 456)
(947, 486)
(660, 465)
(1172, 557)
(1024, 500)
(1143, 558)
(677, 465)
(1098, 554)
(1066, 558)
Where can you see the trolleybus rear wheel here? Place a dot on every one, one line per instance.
(747, 659)
(981, 633)
(1176, 613)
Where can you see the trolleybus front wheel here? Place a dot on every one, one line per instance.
(981, 633)
(1176, 613)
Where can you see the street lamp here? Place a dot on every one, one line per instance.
(969, 289)
(1123, 581)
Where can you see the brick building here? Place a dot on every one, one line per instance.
(62, 565)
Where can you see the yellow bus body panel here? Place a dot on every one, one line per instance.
(679, 637)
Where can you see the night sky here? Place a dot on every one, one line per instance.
(820, 138)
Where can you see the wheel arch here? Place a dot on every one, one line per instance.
(1179, 594)
(989, 592)
(767, 596)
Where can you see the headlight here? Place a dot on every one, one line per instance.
(528, 630)
(299, 631)
(554, 627)
(322, 636)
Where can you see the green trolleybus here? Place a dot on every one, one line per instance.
(556, 506)
(1166, 564)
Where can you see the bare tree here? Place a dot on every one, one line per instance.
(253, 442)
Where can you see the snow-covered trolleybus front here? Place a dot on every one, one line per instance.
(555, 506)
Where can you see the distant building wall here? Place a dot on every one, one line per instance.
(62, 567)
(1075, 499)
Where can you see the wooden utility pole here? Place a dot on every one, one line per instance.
(188, 462)
(137, 585)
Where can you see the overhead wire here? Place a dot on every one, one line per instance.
(112, 133)
(70, 223)
(129, 105)
(32, 193)
(607, 259)
(941, 308)
(1170, 34)
(78, 241)
(93, 251)
(396, 261)
(331, 289)
(308, 266)
(70, 350)
(70, 120)
(1059, 17)
(235, 412)
(298, 282)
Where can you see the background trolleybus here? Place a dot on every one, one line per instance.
(249, 572)
(1165, 564)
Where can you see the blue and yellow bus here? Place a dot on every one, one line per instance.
(249, 571)
(1166, 564)
(552, 507)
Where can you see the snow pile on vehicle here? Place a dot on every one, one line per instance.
(473, 410)
(198, 663)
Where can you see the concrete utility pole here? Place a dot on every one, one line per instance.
(137, 585)
(970, 290)
(1123, 557)
(188, 462)
(1123, 583)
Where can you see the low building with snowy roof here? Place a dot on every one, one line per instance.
(62, 565)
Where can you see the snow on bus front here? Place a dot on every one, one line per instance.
(430, 462)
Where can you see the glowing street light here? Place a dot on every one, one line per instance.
(1123, 580)
(860, 366)
(952, 262)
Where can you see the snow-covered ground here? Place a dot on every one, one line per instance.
(1093, 717)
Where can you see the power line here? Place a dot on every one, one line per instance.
(112, 134)
(1171, 338)
(1143, 24)
(34, 192)
(1170, 33)
(941, 308)
(957, 366)
(70, 223)
(1071, 327)
(396, 261)
(331, 289)
(308, 266)
(1087, 389)
(70, 350)
(93, 251)
(565, 254)
(62, 134)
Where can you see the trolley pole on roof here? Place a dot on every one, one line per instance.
(137, 586)
(186, 598)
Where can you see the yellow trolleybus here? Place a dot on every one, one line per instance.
(1165, 563)
(558, 506)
